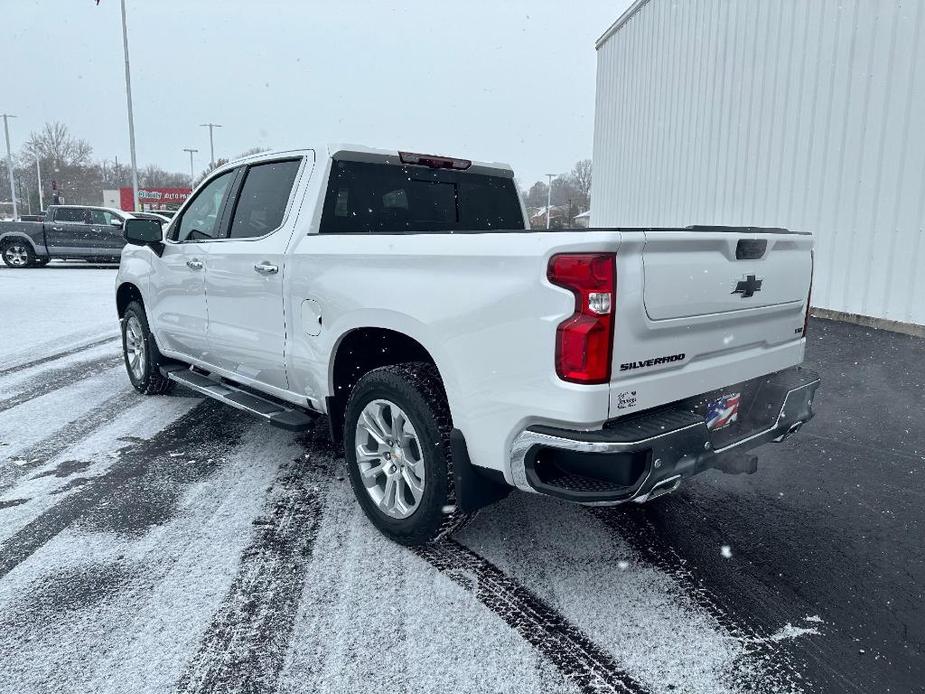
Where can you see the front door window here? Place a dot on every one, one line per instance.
(200, 220)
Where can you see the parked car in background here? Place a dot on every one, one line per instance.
(456, 353)
(79, 232)
(157, 216)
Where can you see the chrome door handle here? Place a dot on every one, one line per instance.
(57, 229)
(194, 264)
(266, 268)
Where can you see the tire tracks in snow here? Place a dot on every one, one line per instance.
(58, 378)
(574, 654)
(134, 494)
(57, 355)
(244, 647)
(46, 449)
(775, 663)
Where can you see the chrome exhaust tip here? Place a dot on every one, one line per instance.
(661, 488)
(794, 428)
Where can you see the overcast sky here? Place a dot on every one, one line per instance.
(501, 80)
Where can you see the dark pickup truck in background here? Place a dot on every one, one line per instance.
(78, 232)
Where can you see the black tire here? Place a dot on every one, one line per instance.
(416, 388)
(17, 253)
(146, 378)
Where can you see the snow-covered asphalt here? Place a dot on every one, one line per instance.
(171, 544)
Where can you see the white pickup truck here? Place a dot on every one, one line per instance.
(457, 353)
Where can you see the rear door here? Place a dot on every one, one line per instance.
(244, 272)
(702, 309)
(68, 232)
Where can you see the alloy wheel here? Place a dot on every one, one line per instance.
(390, 459)
(16, 254)
(135, 347)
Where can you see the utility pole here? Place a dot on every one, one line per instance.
(9, 161)
(38, 176)
(192, 175)
(211, 126)
(131, 118)
(26, 196)
(548, 197)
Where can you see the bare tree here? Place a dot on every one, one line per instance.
(55, 143)
(153, 176)
(581, 174)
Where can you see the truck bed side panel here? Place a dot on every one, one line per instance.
(34, 232)
(480, 303)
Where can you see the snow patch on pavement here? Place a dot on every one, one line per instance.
(788, 631)
(653, 630)
(375, 617)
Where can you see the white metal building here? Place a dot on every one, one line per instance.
(805, 114)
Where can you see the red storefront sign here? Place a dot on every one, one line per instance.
(155, 197)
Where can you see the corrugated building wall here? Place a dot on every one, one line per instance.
(805, 114)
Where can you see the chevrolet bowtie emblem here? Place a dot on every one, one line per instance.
(748, 286)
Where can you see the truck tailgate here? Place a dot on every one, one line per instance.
(690, 273)
(698, 310)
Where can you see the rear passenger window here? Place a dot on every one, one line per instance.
(71, 214)
(263, 198)
(368, 197)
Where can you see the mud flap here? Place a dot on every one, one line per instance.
(475, 487)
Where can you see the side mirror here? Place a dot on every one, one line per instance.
(116, 222)
(142, 232)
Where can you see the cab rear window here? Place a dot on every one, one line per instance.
(386, 198)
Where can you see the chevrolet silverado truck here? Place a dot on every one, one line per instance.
(456, 353)
(81, 232)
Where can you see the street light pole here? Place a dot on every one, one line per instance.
(548, 197)
(38, 176)
(211, 126)
(9, 161)
(191, 173)
(131, 118)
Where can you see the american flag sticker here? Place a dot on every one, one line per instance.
(723, 411)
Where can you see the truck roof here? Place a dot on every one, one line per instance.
(354, 152)
(95, 207)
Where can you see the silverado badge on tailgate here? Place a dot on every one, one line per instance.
(723, 411)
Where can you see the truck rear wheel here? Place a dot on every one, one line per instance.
(397, 444)
(17, 253)
(140, 352)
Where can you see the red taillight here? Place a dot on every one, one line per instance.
(434, 162)
(809, 296)
(584, 341)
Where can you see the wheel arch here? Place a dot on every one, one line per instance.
(362, 349)
(126, 293)
(19, 236)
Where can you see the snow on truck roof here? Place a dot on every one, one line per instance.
(362, 153)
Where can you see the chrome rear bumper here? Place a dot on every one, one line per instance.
(647, 454)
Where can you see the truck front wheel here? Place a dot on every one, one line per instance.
(397, 444)
(142, 357)
(18, 254)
